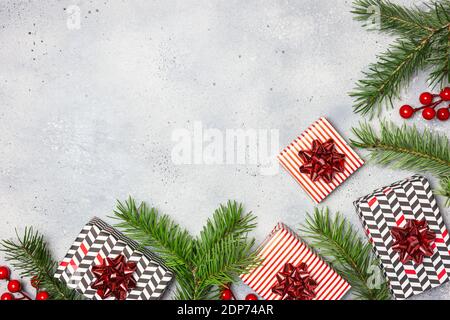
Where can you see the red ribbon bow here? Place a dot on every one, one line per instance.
(114, 277)
(295, 283)
(322, 161)
(414, 241)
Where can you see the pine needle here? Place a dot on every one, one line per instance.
(351, 257)
(31, 256)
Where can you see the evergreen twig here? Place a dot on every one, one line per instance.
(407, 148)
(352, 257)
(32, 257)
(202, 264)
(444, 190)
(423, 42)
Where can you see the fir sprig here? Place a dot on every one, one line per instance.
(407, 148)
(404, 147)
(423, 41)
(202, 264)
(352, 257)
(31, 256)
(444, 190)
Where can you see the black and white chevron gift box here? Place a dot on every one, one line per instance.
(392, 206)
(97, 241)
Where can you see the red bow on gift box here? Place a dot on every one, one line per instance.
(114, 277)
(414, 241)
(295, 283)
(322, 161)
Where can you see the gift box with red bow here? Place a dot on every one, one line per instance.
(102, 263)
(405, 226)
(290, 270)
(320, 160)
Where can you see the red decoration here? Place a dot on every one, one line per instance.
(443, 113)
(426, 98)
(114, 277)
(445, 94)
(295, 283)
(251, 297)
(414, 241)
(4, 273)
(406, 111)
(322, 161)
(428, 113)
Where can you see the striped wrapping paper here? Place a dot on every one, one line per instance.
(284, 246)
(392, 206)
(322, 130)
(96, 241)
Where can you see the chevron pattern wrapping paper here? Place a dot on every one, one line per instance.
(284, 246)
(96, 241)
(392, 206)
(290, 160)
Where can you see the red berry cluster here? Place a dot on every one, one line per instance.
(429, 103)
(227, 294)
(14, 286)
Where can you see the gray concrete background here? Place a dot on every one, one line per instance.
(86, 115)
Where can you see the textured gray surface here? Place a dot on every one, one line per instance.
(86, 115)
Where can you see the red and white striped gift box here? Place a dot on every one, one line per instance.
(284, 246)
(321, 130)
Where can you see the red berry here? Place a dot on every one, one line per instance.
(226, 294)
(251, 296)
(406, 111)
(4, 273)
(426, 98)
(428, 113)
(42, 295)
(443, 114)
(445, 94)
(7, 296)
(14, 286)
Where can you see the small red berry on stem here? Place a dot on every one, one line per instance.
(426, 98)
(251, 296)
(42, 295)
(443, 114)
(445, 94)
(14, 286)
(428, 113)
(7, 296)
(4, 273)
(406, 111)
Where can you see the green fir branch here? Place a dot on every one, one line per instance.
(203, 264)
(423, 43)
(31, 256)
(392, 18)
(352, 257)
(407, 148)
